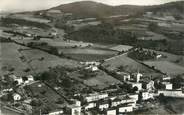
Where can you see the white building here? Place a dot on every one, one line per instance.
(134, 96)
(125, 109)
(136, 84)
(95, 97)
(19, 80)
(103, 106)
(90, 106)
(126, 76)
(15, 78)
(146, 95)
(150, 86)
(171, 93)
(16, 97)
(74, 110)
(159, 56)
(116, 102)
(138, 77)
(56, 112)
(111, 112)
(168, 86)
(92, 68)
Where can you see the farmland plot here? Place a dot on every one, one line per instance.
(41, 61)
(88, 54)
(166, 67)
(10, 59)
(99, 81)
(121, 48)
(129, 65)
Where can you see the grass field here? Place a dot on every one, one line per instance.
(36, 60)
(129, 64)
(99, 81)
(152, 36)
(45, 94)
(89, 54)
(33, 56)
(166, 67)
(177, 59)
(10, 58)
(121, 48)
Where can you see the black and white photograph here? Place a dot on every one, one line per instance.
(91, 57)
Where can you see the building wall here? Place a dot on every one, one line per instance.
(125, 109)
(171, 93)
(111, 112)
(96, 97)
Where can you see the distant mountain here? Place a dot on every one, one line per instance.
(172, 8)
(94, 9)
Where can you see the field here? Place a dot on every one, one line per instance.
(129, 64)
(31, 18)
(121, 48)
(177, 59)
(10, 58)
(35, 60)
(45, 94)
(88, 54)
(100, 81)
(152, 36)
(166, 67)
(175, 104)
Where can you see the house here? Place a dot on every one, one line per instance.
(95, 97)
(92, 68)
(125, 76)
(138, 77)
(30, 78)
(168, 86)
(136, 84)
(166, 78)
(19, 80)
(171, 93)
(159, 56)
(148, 85)
(126, 99)
(15, 78)
(74, 110)
(111, 112)
(146, 95)
(125, 108)
(103, 105)
(134, 96)
(116, 102)
(56, 112)
(90, 106)
(16, 97)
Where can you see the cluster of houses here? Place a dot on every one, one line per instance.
(93, 66)
(106, 102)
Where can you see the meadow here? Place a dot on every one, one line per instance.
(166, 67)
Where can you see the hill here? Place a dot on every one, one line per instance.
(172, 8)
(95, 9)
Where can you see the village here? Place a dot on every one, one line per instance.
(56, 62)
(140, 94)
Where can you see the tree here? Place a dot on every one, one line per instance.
(135, 89)
(153, 26)
(177, 82)
(67, 83)
(35, 102)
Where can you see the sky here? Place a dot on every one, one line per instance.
(29, 5)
